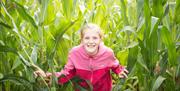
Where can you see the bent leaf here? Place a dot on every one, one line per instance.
(158, 83)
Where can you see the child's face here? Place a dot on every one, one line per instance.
(91, 40)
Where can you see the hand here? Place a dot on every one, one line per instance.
(46, 76)
(123, 74)
(39, 73)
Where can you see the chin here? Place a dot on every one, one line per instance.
(90, 51)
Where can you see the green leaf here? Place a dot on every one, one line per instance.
(124, 14)
(158, 83)
(141, 62)
(5, 25)
(18, 80)
(60, 36)
(2, 43)
(22, 12)
(7, 49)
(24, 60)
(43, 11)
(154, 22)
(178, 71)
(157, 8)
(67, 7)
(170, 44)
(139, 7)
(128, 28)
(122, 56)
(16, 63)
(34, 54)
(132, 57)
(1, 76)
(147, 16)
(177, 12)
(166, 10)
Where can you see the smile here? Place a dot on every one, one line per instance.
(91, 45)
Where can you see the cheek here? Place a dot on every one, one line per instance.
(98, 41)
(83, 42)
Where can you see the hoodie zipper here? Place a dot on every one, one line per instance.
(91, 68)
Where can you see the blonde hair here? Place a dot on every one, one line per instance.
(92, 27)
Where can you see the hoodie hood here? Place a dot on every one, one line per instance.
(101, 50)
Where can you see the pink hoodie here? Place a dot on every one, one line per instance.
(96, 68)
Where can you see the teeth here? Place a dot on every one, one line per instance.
(91, 45)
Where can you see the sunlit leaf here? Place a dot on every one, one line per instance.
(34, 54)
(1, 76)
(154, 21)
(16, 63)
(68, 7)
(25, 15)
(24, 60)
(123, 56)
(43, 13)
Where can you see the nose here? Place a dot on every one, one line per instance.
(91, 40)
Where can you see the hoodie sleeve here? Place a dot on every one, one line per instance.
(115, 66)
(68, 72)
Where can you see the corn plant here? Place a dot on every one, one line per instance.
(37, 34)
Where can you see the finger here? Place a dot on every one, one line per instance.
(121, 76)
(47, 80)
(48, 74)
(126, 71)
(35, 74)
(49, 83)
(124, 74)
(40, 73)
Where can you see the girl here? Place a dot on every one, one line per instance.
(92, 61)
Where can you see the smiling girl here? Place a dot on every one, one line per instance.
(92, 61)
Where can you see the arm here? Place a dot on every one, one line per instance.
(64, 75)
(67, 73)
(117, 68)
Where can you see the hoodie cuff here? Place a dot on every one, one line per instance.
(65, 78)
(118, 69)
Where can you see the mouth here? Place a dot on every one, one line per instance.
(91, 45)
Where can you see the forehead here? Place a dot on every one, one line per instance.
(89, 32)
